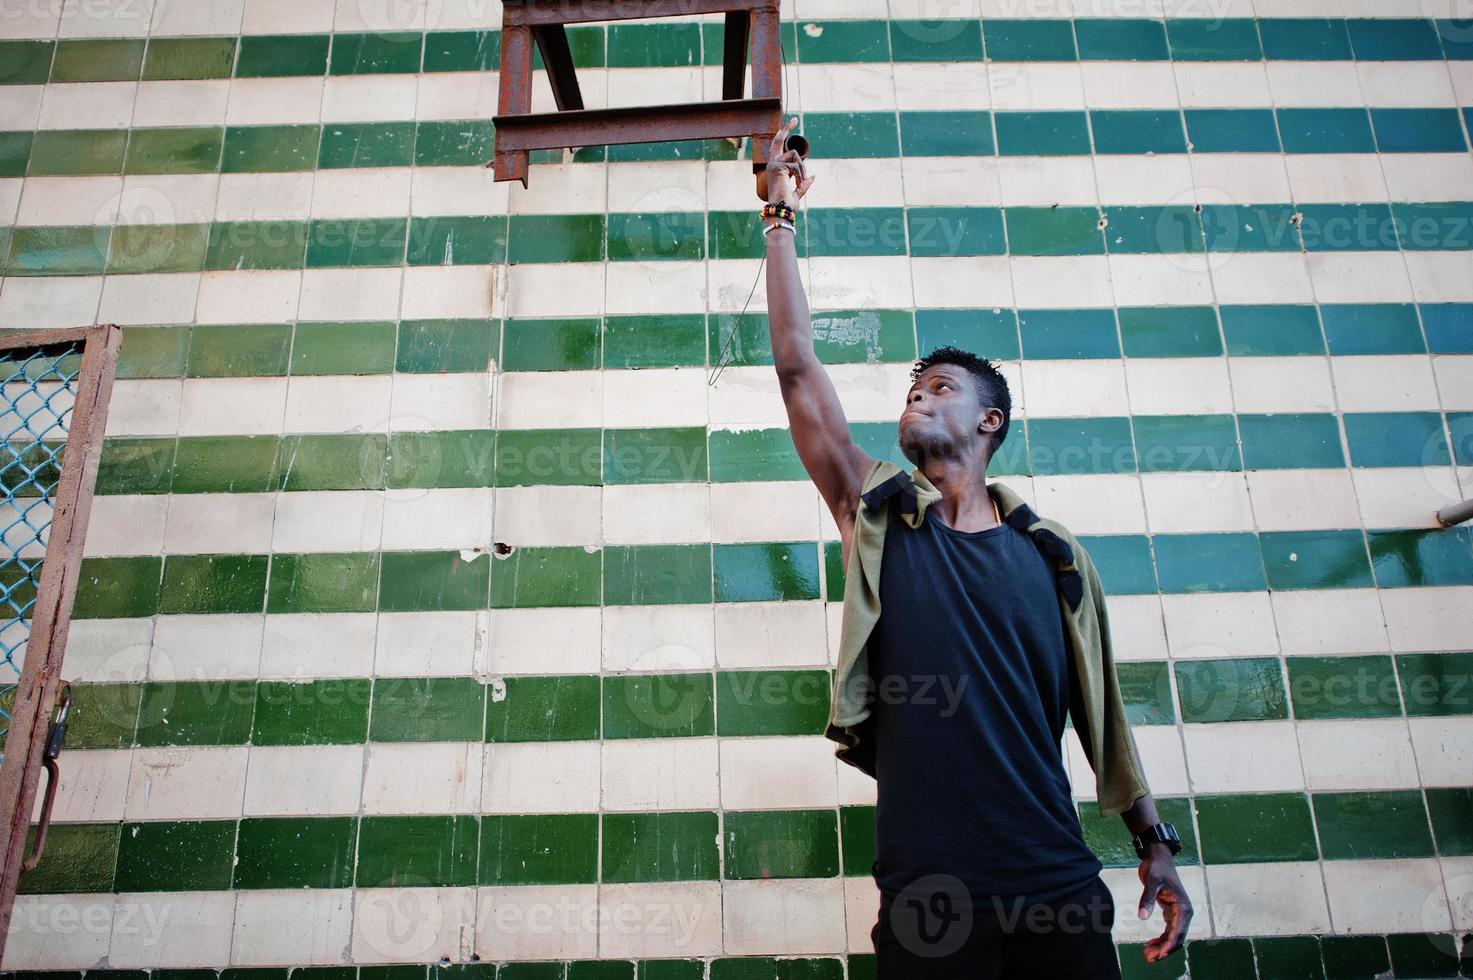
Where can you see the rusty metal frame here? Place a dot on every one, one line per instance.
(749, 23)
(40, 677)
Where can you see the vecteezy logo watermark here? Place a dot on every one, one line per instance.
(932, 916)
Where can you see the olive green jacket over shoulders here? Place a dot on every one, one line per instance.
(1095, 703)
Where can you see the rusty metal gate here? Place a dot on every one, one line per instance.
(54, 391)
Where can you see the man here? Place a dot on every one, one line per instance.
(963, 652)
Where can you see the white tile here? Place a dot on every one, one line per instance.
(562, 189)
(261, 197)
(1129, 85)
(450, 14)
(541, 516)
(69, 201)
(1182, 502)
(1047, 181)
(458, 518)
(1294, 500)
(544, 640)
(93, 788)
(1405, 83)
(1108, 503)
(219, 523)
(1444, 749)
(1021, 85)
(660, 774)
(550, 399)
(654, 513)
(87, 105)
(144, 407)
(206, 648)
(661, 919)
(454, 96)
(344, 403)
(1364, 754)
(951, 181)
(114, 650)
(747, 398)
(858, 282)
(1262, 277)
(847, 87)
(425, 644)
(171, 929)
(1457, 874)
(513, 922)
(368, 193)
(1280, 899)
(651, 397)
(1440, 277)
(1219, 624)
(655, 286)
(1390, 383)
(773, 634)
(195, 783)
(1404, 895)
(1314, 83)
(305, 780)
(1136, 627)
(368, 98)
(287, 17)
(440, 402)
(1359, 277)
(782, 916)
(922, 86)
(457, 190)
(350, 294)
(1036, 280)
(139, 299)
(130, 525)
(197, 17)
(1221, 84)
(56, 932)
(274, 101)
(327, 521)
(435, 292)
(658, 638)
(1428, 618)
(392, 925)
(32, 20)
(303, 645)
(242, 406)
(49, 301)
(1162, 756)
(1427, 176)
(777, 772)
(543, 777)
(1068, 388)
(422, 777)
(281, 927)
(1404, 496)
(1332, 178)
(1178, 386)
(1161, 280)
(1165, 179)
(181, 103)
(764, 511)
(1454, 381)
(1282, 384)
(1243, 757)
(1234, 178)
(1329, 622)
(972, 281)
(10, 188)
(248, 296)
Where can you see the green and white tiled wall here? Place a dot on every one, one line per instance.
(436, 604)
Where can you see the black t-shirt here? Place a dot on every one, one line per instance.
(971, 692)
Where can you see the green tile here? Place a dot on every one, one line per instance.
(1290, 441)
(1343, 687)
(1250, 228)
(1315, 560)
(196, 712)
(1393, 39)
(1232, 130)
(295, 852)
(278, 56)
(988, 333)
(98, 60)
(955, 231)
(1220, 959)
(351, 461)
(832, 41)
(539, 849)
(656, 574)
(1240, 689)
(1186, 443)
(158, 248)
(1347, 228)
(1054, 231)
(1396, 439)
(376, 53)
(189, 57)
(1058, 334)
(468, 240)
(239, 245)
(1430, 227)
(1354, 957)
(550, 344)
(186, 855)
(1436, 684)
(1121, 131)
(462, 51)
(417, 852)
(781, 844)
(1177, 331)
(544, 709)
(319, 712)
(549, 576)
(104, 716)
(1426, 954)
(1146, 687)
(549, 457)
(556, 237)
(323, 583)
(676, 340)
(657, 705)
(771, 702)
(270, 149)
(660, 847)
(1324, 130)
(1256, 828)
(1213, 39)
(656, 236)
(225, 464)
(950, 39)
(946, 133)
(1120, 39)
(110, 588)
(852, 134)
(1068, 446)
(15, 153)
(857, 831)
(1208, 562)
(1289, 957)
(57, 251)
(135, 466)
(423, 581)
(1029, 40)
(25, 62)
(79, 857)
(453, 144)
(213, 584)
(674, 455)
(427, 709)
(1296, 39)
(1111, 841)
(343, 348)
(1044, 133)
(356, 243)
(765, 572)
(378, 144)
(459, 458)
(1452, 820)
(1153, 230)
(435, 346)
(256, 350)
(1271, 330)
(1364, 826)
(754, 454)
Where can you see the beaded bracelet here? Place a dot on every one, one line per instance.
(778, 210)
(778, 224)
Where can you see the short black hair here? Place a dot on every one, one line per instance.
(992, 387)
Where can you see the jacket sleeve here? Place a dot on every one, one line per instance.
(1119, 775)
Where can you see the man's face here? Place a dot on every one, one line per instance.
(942, 414)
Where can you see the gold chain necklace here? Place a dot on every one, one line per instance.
(996, 514)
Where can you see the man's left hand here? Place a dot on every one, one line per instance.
(1162, 884)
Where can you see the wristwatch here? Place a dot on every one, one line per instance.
(1161, 833)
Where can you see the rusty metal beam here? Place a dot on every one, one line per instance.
(557, 58)
(734, 59)
(514, 98)
(532, 12)
(637, 124)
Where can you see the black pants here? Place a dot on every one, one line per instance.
(918, 936)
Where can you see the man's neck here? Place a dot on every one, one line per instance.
(964, 503)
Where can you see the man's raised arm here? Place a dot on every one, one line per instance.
(816, 419)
